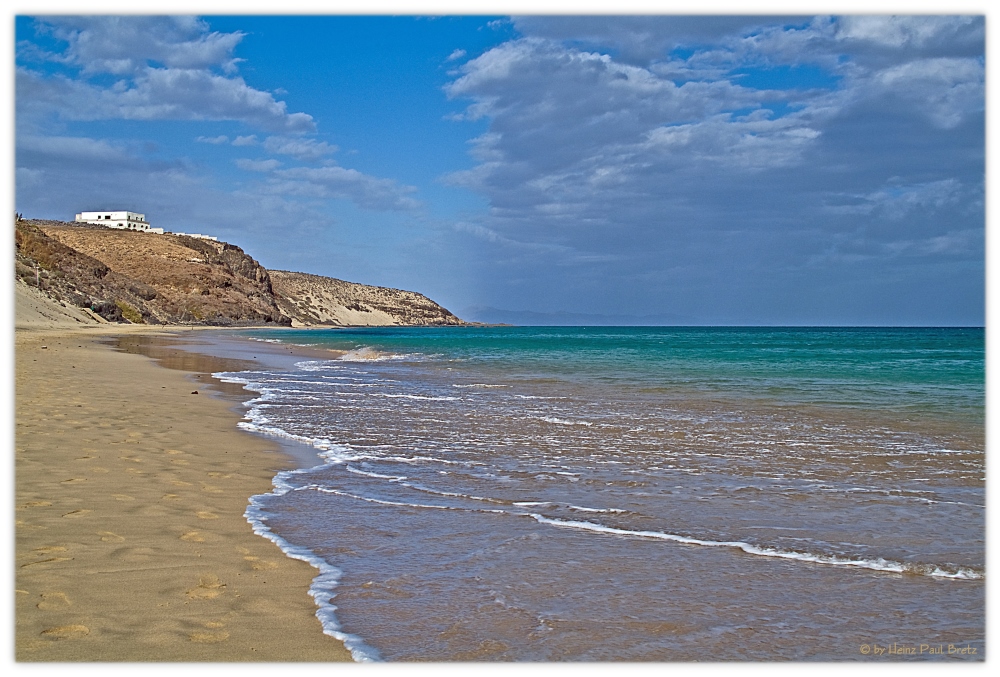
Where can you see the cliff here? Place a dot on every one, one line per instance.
(124, 276)
(317, 300)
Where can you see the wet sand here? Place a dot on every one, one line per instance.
(131, 543)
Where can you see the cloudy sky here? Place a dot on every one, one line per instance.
(679, 170)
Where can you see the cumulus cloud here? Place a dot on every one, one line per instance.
(167, 68)
(125, 45)
(257, 165)
(250, 140)
(338, 182)
(214, 140)
(301, 148)
(748, 144)
(78, 149)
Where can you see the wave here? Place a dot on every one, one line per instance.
(563, 421)
(322, 587)
(877, 564)
(366, 354)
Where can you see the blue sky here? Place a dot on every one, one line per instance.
(691, 170)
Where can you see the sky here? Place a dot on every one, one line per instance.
(761, 170)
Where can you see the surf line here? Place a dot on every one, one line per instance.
(878, 564)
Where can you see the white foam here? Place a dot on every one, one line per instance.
(322, 587)
(877, 564)
(416, 397)
(366, 354)
(402, 504)
(563, 421)
(479, 385)
(392, 478)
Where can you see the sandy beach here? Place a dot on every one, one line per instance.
(131, 543)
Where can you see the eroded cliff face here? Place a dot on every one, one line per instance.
(146, 278)
(127, 276)
(317, 300)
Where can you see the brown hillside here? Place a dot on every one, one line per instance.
(316, 300)
(145, 277)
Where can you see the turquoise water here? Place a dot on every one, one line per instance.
(904, 369)
(512, 493)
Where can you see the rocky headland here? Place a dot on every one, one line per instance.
(144, 278)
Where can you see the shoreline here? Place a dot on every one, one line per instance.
(131, 542)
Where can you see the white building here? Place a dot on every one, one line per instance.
(120, 220)
(198, 236)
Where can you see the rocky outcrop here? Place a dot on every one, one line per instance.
(145, 278)
(317, 300)
(126, 276)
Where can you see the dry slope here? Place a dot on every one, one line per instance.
(146, 278)
(316, 300)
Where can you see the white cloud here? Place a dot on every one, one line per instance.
(299, 147)
(250, 140)
(167, 68)
(78, 149)
(214, 140)
(896, 201)
(125, 45)
(946, 90)
(257, 165)
(455, 55)
(905, 31)
(337, 182)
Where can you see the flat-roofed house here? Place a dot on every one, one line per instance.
(120, 220)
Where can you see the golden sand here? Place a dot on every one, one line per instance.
(131, 543)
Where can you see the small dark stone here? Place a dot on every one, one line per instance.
(194, 392)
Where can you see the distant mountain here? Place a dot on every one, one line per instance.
(528, 318)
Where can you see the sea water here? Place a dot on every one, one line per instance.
(510, 493)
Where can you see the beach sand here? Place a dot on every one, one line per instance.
(131, 543)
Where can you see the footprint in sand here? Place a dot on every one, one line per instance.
(122, 497)
(74, 480)
(258, 564)
(170, 496)
(78, 513)
(67, 631)
(209, 637)
(54, 601)
(206, 515)
(193, 537)
(134, 554)
(110, 537)
(49, 560)
(46, 549)
(209, 587)
(180, 483)
(36, 504)
(133, 459)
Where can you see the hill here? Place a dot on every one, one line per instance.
(317, 300)
(125, 276)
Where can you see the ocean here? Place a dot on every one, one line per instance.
(633, 493)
